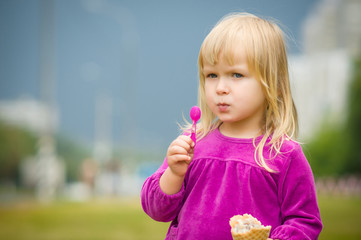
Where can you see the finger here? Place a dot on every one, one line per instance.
(176, 149)
(190, 158)
(181, 142)
(187, 139)
(181, 158)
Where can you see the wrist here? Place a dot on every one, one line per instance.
(170, 183)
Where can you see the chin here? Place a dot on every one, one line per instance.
(226, 119)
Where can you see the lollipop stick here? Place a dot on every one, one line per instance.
(195, 115)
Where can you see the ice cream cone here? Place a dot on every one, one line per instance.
(256, 232)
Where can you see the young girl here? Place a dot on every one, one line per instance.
(244, 160)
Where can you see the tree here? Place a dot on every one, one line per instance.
(15, 144)
(353, 121)
(336, 148)
(73, 154)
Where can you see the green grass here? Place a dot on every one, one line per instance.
(341, 217)
(103, 220)
(125, 220)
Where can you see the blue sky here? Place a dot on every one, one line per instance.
(140, 54)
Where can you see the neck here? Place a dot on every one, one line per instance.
(240, 130)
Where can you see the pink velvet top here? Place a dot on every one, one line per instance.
(224, 180)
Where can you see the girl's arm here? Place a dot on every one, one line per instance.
(157, 204)
(162, 193)
(179, 156)
(297, 197)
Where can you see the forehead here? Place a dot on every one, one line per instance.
(230, 44)
(233, 53)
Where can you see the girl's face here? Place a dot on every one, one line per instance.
(234, 96)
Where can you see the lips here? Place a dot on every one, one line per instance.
(223, 107)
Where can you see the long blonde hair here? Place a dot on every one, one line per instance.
(267, 60)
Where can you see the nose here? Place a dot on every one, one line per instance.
(222, 87)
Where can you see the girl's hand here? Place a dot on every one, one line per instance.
(180, 155)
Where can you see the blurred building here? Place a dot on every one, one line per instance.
(44, 172)
(333, 24)
(30, 114)
(320, 75)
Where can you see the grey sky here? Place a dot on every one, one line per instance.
(142, 54)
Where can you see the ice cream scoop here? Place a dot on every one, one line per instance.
(246, 227)
(195, 115)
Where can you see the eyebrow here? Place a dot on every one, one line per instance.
(241, 67)
(230, 68)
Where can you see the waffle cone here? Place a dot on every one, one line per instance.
(257, 233)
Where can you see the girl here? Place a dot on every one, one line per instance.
(245, 160)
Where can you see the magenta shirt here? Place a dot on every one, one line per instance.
(224, 180)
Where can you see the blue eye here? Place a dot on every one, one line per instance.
(212, 75)
(237, 75)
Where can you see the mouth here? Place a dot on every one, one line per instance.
(223, 107)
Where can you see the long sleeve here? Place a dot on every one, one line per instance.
(298, 201)
(158, 205)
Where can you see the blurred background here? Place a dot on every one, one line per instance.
(91, 92)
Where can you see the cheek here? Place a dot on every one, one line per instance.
(259, 101)
(251, 95)
(261, 98)
(207, 93)
(209, 99)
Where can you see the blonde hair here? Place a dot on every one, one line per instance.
(267, 60)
